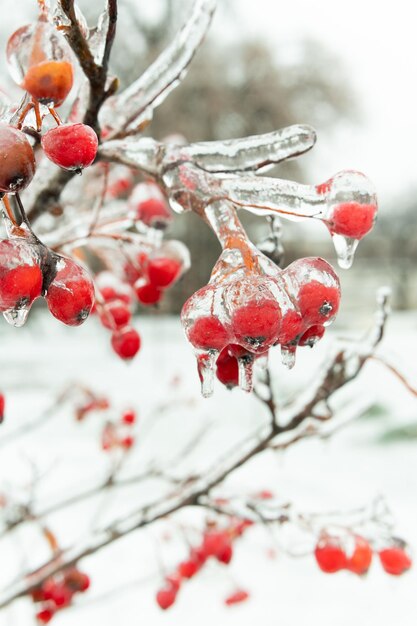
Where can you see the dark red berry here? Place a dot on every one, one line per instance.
(257, 324)
(163, 271)
(330, 555)
(208, 333)
(360, 560)
(17, 163)
(395, 560)
(71, 146)
(352, 219)
(126, 342)
(70, 296)
(227, 368)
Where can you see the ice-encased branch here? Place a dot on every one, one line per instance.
(233, 155)
(127, 111)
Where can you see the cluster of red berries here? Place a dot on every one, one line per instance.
(58, 592)
(28, 270)
(216, 544)
(332, 556)
(119, 435)
(240, 320)
(113, 307)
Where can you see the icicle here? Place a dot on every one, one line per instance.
(206, 363)
(345, 250)
(288, 354)
(245, 364)
(16, 317)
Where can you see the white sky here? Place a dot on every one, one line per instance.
(377, 42)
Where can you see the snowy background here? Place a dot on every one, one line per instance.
(378, 50)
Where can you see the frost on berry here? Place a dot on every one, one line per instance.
(39, 60)
(70, 295)
(20, 279)
(149, 206)
(71, 146)
(17, 164)
(330, 554)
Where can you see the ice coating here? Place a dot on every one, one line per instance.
(20, 279)
(39, 60)
(252, 304)
(135, 105)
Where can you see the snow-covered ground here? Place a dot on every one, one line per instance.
(347, 471)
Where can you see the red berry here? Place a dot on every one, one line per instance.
(126, 342)
(153, 212)
(361, 558)
(17, 163)
(129, 417)
(70, 296)
(257, 324)
(330, 555)
(71, 146)
(236, 597)
(225, 555)
(49, 82)
(352, 219)
(215, 543)
(148, 294)
(312, 335)
(188, 569)
(318, 303)
(174, 581)
(20, 275)
(45, 616)
(166, 597)
(163, 271)
(227, 369)
(208, 333)
(395, 560)
(115, 315)
(291, 328)
(76, 580)
(127, 442)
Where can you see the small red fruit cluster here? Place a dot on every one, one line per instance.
(331, 555)
(28, 270)
(216, 544)
(113, 306)
(57, 593)
(239, 319)
(119, 435)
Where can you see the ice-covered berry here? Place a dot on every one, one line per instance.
(352, 219)
(208, 333)
(147, 294)
(330, 555)
(70, 296)
(71, 146)
(360, 560)
(20, 274)
(227, 369)
(256, 325)
(163, 271)
(395, 560)
(17, 163)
